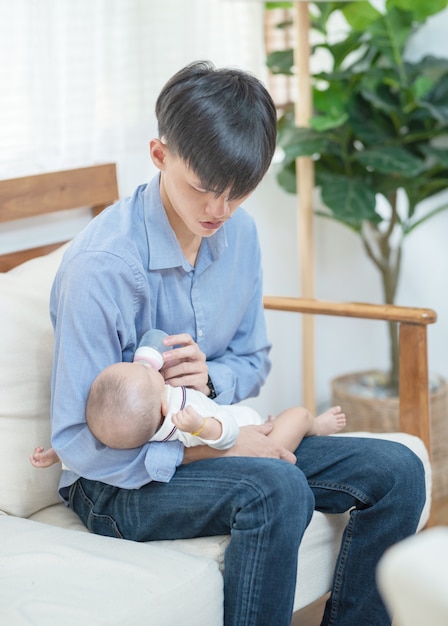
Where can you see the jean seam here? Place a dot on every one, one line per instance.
(349, 489)
(339, 572)
(345, 546)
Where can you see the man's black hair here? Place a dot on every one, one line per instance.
(222, 123)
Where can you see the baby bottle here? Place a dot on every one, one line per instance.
(151, 347)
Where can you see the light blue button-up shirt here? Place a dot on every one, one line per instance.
(126, 273)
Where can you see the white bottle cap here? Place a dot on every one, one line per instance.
(151, 356)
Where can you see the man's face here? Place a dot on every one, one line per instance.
(188, 204)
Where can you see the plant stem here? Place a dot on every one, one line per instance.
(388, 262)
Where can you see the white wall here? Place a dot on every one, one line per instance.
(342, 271)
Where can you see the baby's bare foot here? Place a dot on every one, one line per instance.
(329, 422)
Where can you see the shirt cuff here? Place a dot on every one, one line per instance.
(223, 382)
(162, 459)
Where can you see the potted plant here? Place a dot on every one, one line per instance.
(379, 133)
(378, 136)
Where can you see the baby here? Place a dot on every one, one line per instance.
(129, 404)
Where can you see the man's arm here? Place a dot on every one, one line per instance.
(252, 442)
(93, 309)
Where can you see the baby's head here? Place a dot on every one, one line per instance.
(126, 405)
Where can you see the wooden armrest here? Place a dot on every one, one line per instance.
(386, 312)
(413, 384)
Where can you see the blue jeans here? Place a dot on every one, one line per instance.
(266, 505)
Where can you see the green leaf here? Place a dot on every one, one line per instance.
(300, 142)
(390, 33)
(281, 62)
(368, 123)
(323, 123)
(360, 15)
(349, 200)
(434, 68)
(421, 86)
(332, 100)
(286, 178)
(373, 89)
(438, 155)
(391, 160)
(421, 9)
(437, 112)
(278, 5)
(437, 100)
(341, 49)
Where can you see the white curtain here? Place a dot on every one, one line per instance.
(79, 78)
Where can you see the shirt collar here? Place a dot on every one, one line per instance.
(175, 398)
(164, 250)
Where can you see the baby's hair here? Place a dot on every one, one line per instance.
(121, 412)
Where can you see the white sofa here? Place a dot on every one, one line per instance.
(52, 571)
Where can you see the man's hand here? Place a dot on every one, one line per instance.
(185, 366)
(252, 441)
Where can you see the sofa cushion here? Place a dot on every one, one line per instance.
(26, 340)
(317, 554)
(55, 576)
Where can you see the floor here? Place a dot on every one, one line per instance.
(312, 614)
(440, 512)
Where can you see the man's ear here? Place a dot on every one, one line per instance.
(158, 151)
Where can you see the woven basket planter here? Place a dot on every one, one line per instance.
(380, 414)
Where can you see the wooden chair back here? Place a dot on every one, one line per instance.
(31, 196)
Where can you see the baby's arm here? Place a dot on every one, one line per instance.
(189, 421)
(43, 458)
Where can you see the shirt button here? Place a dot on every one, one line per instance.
(199, 333)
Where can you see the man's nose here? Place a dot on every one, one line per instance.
(218, 207)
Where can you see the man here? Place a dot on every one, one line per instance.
(181, 255)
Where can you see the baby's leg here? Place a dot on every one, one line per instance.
(329, 422)
(291, 426)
